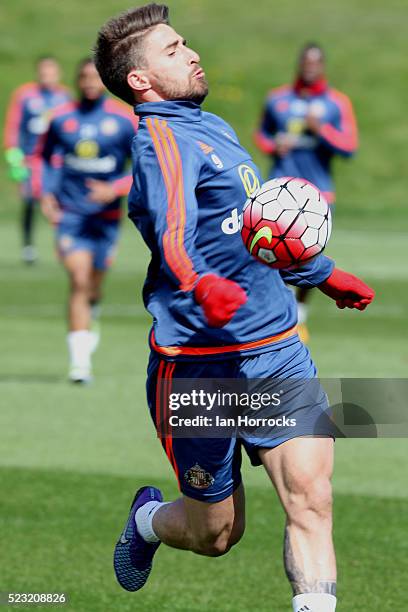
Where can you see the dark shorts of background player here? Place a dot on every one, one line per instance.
(89, 233)
(209, 469)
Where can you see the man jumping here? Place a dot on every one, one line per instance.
(218, 313)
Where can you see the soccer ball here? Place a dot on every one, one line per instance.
(286, 222)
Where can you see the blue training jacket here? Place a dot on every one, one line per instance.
(311, 157)
(191, 178)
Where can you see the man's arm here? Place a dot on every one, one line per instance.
(310, 274)
(264, 136)
(12, 125)
(47, 149)
(165, 179)
(267, 139)
(105, 192)
(344, 288)
(12, 138)
(340, 135)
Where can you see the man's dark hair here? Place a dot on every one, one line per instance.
(120, 46)
(311, 46)
(82, 63)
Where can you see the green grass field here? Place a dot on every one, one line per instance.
(71, 458)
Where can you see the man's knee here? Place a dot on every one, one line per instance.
(80, 282)
(214, 528)
(216, 539)
(213, 542)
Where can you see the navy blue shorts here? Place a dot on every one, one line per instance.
(209, 469)
(88, 233)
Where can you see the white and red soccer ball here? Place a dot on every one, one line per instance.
(286, 222)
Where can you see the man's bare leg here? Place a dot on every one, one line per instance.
(97, 278)
(79, 268)
(204, 528)
(301, 471)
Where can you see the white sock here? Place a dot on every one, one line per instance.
(144, 517)
(80, 345)
(302, 310)
(314, 602)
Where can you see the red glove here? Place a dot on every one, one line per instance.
(219, 298)
(347, 290)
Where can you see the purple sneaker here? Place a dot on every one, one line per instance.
(133, 556)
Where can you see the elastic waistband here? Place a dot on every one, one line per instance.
(199, 351)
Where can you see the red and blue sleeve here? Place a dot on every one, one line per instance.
(264, 136)
(166, 175)
(13, 122)
(340, 135)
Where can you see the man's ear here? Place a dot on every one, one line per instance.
(138, 81)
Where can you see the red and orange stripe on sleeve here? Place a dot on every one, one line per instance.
(171, 167)
(14, 116)
(264, 144)
(346, 138)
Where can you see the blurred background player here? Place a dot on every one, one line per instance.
(26, 121)
(303, 126)
(86, 150)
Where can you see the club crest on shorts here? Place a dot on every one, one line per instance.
(198, 478)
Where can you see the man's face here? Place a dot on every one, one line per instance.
(172, 68)
(311, 66)
(89, 83)
(48, 73)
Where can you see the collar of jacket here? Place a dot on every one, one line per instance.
(315, 89)
(176, 110)
(91, 105)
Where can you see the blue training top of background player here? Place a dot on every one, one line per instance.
(311, 156)
(88, 140)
